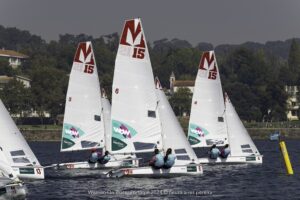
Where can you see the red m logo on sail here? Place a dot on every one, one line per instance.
(132, 35)
(208, 63)
(84, 54)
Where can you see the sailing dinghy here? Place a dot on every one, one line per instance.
(86, 112)
(14, 150)
(10, 185)
(139, 115)
(214, 122)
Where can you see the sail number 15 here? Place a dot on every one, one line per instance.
(138, 53)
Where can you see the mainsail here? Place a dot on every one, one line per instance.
(135, 121)
(207, 121)
(83, 126)
(172, 133)
(240, 142)
(14, 150)
(106, 110)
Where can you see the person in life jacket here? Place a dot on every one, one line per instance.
(169, 159)
(214, 152)
(94, 156)
(104, 158)
(157, 160)
(225, 151)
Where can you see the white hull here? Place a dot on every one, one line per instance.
(180, 170)
(233, 160)
(87, 165)
(12, 191)
(29, 172)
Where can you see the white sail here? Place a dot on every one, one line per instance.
(135, 122)
(207, 121)
(106, 110)
(240, 142)
(15, 151)
(83, 126)
(173, 135)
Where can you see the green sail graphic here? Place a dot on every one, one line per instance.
(194, 134)
(70, 134)
(121, 132)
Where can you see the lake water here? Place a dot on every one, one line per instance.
(266, 181)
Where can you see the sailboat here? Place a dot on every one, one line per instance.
(14, 150)
(214, 122)
(136, 116)
(10, 185)
(87, 112)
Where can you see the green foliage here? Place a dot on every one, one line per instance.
(294, 63)
(16, 97)
(181, 101)
(253, 74)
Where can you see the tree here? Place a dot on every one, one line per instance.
(16, 97)
(294, 62)
(181, 101)
(49, 87)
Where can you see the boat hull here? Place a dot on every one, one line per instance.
(180, 170)
(29, 172)
(233, 160)
(13, 190)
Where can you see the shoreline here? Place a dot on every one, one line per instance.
(255, 133)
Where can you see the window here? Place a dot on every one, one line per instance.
(97, 118)
(220, 119)
(180, 151)
(151, 113)
(294, 112)
(17, 153)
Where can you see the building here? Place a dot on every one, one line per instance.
(15, 59)
(5, 80)
(292, 102)
(176, 84)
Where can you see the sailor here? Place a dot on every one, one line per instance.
(169, 159)
(94, 156)
(214, 152)
(104, 158)
(225, 151)
(157, 160)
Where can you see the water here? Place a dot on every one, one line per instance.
(267, 181)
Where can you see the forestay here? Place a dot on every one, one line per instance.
(135, 121)
(172, 133)
(240, 142)
(14, 150)
(83, 126)
(207, 121)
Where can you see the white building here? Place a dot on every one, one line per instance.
(176, 84)
(292, 102)
(14, 58)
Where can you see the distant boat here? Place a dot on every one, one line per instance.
(215, 122)
(141, 116)
(87, 113)
(14, 150)
(275, 136)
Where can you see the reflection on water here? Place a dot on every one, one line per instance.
(267, 181)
